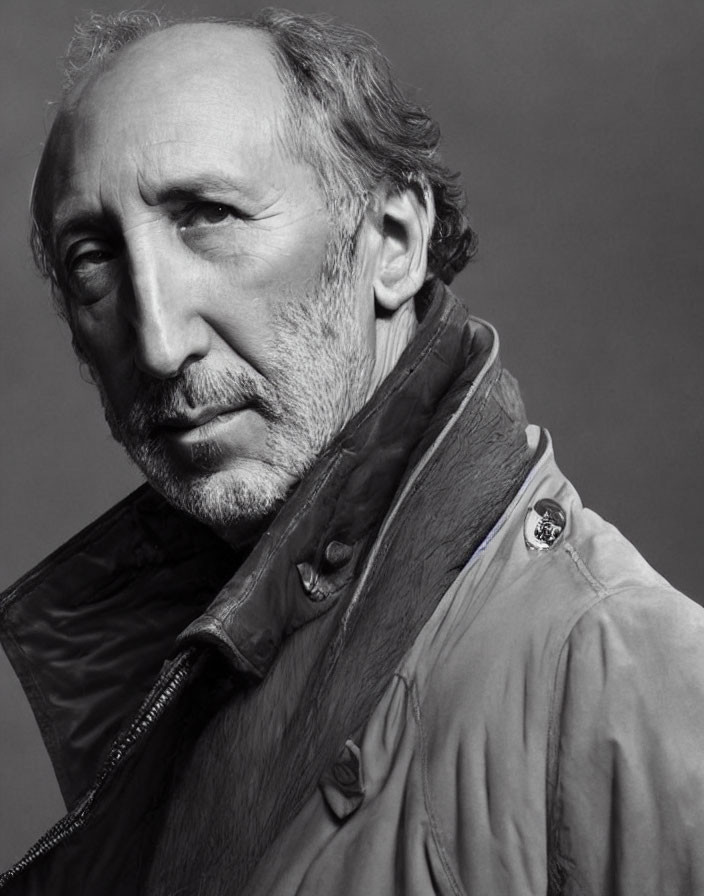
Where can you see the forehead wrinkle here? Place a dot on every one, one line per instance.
(200, 183)
(274, 128)
(160, 186)
(158, 179)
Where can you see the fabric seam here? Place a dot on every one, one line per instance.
(435, 827)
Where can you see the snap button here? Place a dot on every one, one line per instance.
(346, 775)
(342, 784)
(544, 525)
(327, 574)
(337, 554)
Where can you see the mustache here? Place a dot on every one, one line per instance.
(159, 401)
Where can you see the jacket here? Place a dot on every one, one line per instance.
(534, 729)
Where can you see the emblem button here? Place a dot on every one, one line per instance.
(343, 785)
(544, 525)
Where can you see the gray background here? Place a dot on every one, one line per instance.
(579, 127)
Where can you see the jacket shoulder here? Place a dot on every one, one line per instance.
(560, 691)
(627, 768)
(510, 585)
(29, 791)
(494, 655)
(113, 599)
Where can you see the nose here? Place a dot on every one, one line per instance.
(167, 331)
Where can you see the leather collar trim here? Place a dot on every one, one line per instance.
(317, 545)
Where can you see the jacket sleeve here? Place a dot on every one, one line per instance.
(628, 803)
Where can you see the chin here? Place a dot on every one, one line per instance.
(228, 500)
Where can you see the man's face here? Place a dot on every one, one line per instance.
(200, 274)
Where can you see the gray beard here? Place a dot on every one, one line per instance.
(325, 367)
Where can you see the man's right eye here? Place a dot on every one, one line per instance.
(86, 254)
(88, 270)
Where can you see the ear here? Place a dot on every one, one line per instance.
(405, 222)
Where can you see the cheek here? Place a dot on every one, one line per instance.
(247, 308)
(307, 261)
(97, 331)
(105, 347)
(237, 312)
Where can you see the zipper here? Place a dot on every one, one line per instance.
(160, 697)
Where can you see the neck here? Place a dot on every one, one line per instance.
(393, 333)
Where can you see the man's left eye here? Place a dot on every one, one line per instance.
(207, 213)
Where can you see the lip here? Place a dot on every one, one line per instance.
(182, 424)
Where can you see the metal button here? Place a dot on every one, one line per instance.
(337, 554)
(345, 775)
(544, 524)
(343, 784)
(347, 769)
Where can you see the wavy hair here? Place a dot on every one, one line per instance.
(347, 118)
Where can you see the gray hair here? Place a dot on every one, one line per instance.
(349, 120)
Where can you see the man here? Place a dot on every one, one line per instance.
(357, 635)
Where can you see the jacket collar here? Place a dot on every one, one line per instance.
(311, 555)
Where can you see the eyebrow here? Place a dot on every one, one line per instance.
(196, 185)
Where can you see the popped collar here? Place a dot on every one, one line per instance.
(314, 549)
